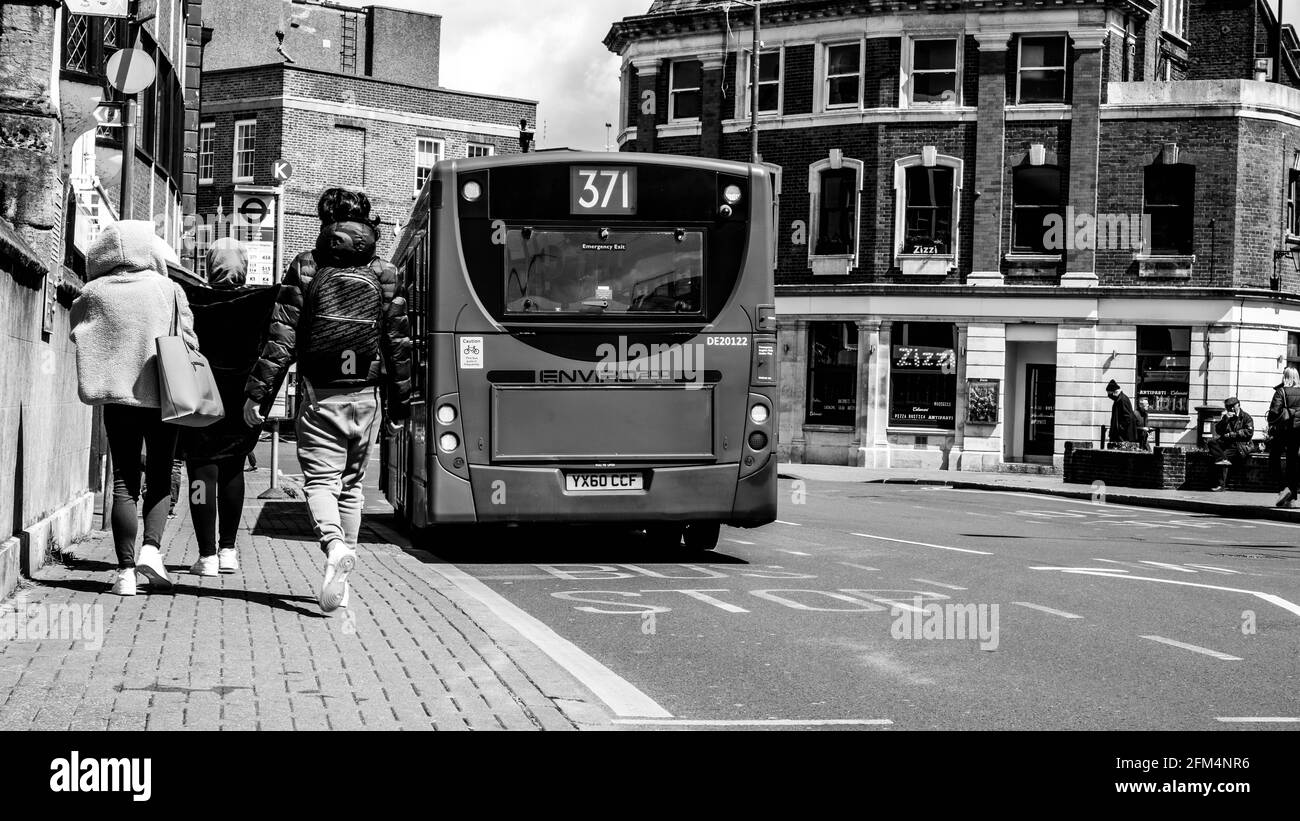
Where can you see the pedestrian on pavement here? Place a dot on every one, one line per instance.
(1123, 421)
(128, 302)
(231, 320)
(341, 314)
(1142, 419)
(1232, 442)
(1284, 420)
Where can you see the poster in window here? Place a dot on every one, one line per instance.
(982, 401)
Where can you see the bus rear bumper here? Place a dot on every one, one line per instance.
(681, 494)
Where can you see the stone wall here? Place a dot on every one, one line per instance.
(44, 429)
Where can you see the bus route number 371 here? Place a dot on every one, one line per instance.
(602, 190)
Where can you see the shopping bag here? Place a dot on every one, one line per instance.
(187, 388)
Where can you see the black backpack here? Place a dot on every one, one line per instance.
(338, 337)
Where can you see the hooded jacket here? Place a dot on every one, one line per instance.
(127, 304)
(340, 245)
(231, 321)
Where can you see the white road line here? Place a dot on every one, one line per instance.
(1259, 719)
(985, 515)
(739, 541)
(1100, 571)
(1114, 574)
(793, 552)
(1167, 566)
(619, 695)
(1126, 564)
(924, 544)
(791, 524)
(861, 567)
(1202, 650)
(1214, 569)
(938, 584)
(1046, 497)
(768, 722)
(1054, 612)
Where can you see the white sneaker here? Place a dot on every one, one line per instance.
(333, 590)
(149, 564)
(205, 566)
(124, 582)
(228, 560)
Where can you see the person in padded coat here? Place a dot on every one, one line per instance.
(335, 425)
(231, 320)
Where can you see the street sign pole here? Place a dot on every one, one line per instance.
(127, 209)
(278, 171)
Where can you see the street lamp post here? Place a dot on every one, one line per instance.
(753, 80)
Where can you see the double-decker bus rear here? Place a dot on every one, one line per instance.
(595, 340)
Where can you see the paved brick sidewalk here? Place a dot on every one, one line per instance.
(253, 651)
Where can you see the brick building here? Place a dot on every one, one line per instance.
(988, 210)
(372, 117)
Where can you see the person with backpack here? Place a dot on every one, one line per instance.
(128, 302)
(1284, 421)
(341, 314)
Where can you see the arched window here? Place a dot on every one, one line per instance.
(835, 194)
(927, 188)
(1035, 198)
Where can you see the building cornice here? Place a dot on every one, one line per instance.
(243, 72)
(388, 115)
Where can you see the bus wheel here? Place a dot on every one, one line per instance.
(702, 535)
(664, 536)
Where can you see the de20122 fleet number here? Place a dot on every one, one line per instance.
(735, 341)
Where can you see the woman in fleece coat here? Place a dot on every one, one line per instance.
(128, 302)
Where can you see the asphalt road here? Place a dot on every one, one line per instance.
(890, 606)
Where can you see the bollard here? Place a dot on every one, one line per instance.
(274, 491)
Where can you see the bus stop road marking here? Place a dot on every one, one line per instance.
(1053, 611)
(622, 698)
(791, 524)
(793, 552)
(1205, 651)
(925, 544)
(764, 722)
(1258, 719)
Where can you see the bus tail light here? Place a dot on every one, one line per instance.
(760, 431)
(447, 432)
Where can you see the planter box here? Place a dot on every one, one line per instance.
(1160, 468)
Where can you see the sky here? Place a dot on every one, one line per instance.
(544, 50)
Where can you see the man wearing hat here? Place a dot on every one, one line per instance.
(1232, 440)
(1123, 422)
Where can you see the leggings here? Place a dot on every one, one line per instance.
(216, 494)
(128, 428)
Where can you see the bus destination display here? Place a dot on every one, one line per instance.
(602, 190)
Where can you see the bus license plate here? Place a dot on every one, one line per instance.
(602, 482)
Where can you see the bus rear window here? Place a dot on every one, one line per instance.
(623, 272)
